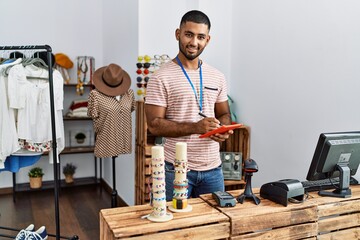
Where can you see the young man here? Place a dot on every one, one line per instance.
(178, 97)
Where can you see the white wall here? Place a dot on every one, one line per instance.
(67, 28)
(120, 36)
(295, 74)
(157, 28)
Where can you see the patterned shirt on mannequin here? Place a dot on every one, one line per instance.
(112, 122)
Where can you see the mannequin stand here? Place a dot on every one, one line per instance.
(114, 192)
(248, 190)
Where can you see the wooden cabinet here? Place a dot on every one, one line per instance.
(238, 142)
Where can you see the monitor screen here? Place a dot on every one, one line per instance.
(336, 155)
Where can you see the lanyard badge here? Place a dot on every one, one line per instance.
(200, 98)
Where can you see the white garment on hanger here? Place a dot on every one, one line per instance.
(32, 99)
(8, 134)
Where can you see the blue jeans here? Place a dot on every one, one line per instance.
(199, 182)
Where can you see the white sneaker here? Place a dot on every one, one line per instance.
(22, 235)
(39, 234)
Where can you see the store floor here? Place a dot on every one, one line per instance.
(78, 207)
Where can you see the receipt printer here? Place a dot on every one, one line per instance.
(283, 190)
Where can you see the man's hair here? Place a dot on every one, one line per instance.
(196, 17)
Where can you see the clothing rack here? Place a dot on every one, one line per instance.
(53, 128)
(114, 191)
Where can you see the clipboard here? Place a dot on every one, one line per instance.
(221, 129)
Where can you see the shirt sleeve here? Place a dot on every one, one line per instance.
(17, 87)
(133, 102)
(223, 96)
(93, 105)
(58, 90)
(156, 93)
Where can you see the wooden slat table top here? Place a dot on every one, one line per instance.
(328, 213)
(249, 208)
(320, 200)
(249, 217)
(127, 221)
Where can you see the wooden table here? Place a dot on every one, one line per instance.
(203, 222)
(321, 218)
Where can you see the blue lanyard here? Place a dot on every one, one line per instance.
(192, 85)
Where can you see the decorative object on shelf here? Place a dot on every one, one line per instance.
(180, 193)
(63, 63)
(80, 138)
(158, 197)
(85, 69)
(35, 175)
(69, 170)
(147, 65)
(78, 108)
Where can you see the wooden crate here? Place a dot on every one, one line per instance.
(321, 218)
(269, 220)
(339, 218)
(203, 222)
(238, 142)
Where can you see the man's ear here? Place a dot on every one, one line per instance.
(177, 34)
(208, 40)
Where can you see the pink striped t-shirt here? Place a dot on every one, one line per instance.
(168, 87)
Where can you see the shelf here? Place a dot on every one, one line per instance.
(75, 84)
(66, 118)
(233, 182)
(72, 150)
(21, 187)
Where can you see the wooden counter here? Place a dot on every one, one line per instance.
(203, 222)
(320, 218)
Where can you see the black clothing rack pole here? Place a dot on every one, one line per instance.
(114, 192)
(53, 128)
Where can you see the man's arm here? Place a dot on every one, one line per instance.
(159, 126)
(222, 113)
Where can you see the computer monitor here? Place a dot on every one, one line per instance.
(336, 155)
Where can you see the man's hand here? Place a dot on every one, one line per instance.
(207, 124)
(221, 137)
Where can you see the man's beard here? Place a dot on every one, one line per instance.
(188, 56)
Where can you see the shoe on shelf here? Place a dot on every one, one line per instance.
(39, 234)
(22, 235)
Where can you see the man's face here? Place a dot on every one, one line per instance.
(193, 38)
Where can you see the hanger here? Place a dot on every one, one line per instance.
(38, 62)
